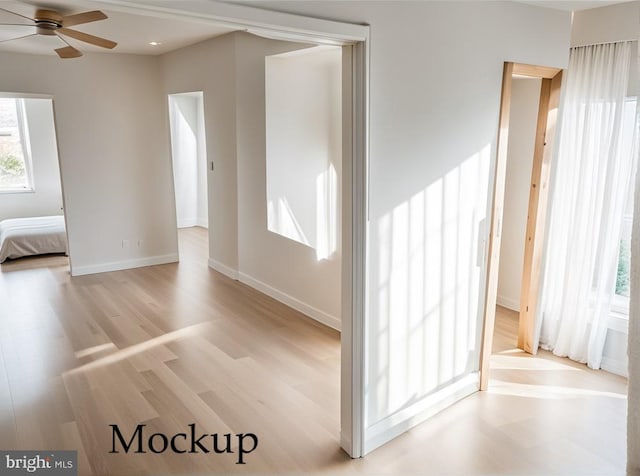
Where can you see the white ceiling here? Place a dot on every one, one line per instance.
(133, 33)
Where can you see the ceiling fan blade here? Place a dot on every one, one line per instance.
(68, 52)
(19, 38)
(93, 40)
(14, 13)
(86, 17)
(17, 24)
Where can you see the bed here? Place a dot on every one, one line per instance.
(32, 236)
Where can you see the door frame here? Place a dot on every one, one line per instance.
(355, 201)
(537, 211)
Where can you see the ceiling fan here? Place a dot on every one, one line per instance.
(52, 23)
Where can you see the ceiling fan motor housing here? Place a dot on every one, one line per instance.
(52, 23)
(47, 21)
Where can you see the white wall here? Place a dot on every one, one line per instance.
(303, 146)
(47, 197)
(276, 265)
(435, 91)
(525, 98)
(231, 72)
(608, 24)
(113, 139)
(188, 152)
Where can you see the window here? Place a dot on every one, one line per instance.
(621, 299)
(15, 157)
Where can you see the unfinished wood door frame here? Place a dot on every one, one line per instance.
(537, 215)
(545, 133)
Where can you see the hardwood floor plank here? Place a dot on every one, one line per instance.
(71, 441)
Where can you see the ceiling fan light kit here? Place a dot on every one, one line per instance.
(52, 23)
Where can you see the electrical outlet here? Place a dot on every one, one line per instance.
(125, 243)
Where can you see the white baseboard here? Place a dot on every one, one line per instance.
(126, 264)
(509, 303)
(187, 222)
(290, 301)
(228, 271)
(405, 419)
(615, 366)
(195, 221)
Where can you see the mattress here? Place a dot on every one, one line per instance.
(32, 236)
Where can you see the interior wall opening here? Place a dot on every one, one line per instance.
(32, 221)
(525, 100)
(304, 146)
(188, 148)
(275, 137)
(538, 194)
(531, 112)
(574, 391)
(189, 160)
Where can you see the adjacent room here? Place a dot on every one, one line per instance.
(31, 218)
(189, 165)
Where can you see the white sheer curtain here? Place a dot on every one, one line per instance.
(592, 176)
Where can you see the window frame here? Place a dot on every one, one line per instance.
(620, 304)
(25, 144)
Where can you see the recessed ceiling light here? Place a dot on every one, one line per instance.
(155, 43)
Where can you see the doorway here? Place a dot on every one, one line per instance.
(189, 160)
(543, 146)
(32, 212)
(536, 387)
(354, 39)
(525, 98)
(272, 253)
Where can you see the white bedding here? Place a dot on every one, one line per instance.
(32, 236)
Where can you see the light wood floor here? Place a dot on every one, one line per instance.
(177, 344)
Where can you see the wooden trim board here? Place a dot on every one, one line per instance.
(537, 214)
(533, 71)
(493, 262)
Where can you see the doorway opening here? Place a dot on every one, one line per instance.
(354, 40)
(543, 146)
(32, 219)
(277, 178)
(304, 148)
(570, 391)
(189, 160)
